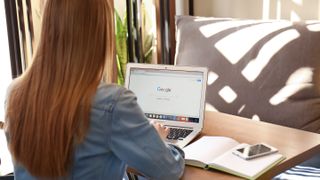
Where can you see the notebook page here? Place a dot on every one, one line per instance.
(208, 148)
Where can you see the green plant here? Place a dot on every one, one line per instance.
(121, 46)
(147, 36)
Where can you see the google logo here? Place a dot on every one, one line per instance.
(160, 89)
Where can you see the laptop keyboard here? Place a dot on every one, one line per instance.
(175, 133)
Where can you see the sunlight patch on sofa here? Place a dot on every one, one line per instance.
(215, 28)
(314, 27)
(246, 38)
(255, 117)
(241, 108)
(210, 107)
(212, 77)
(228, 94)
(269, 49)
(298, 80)
(201, 19)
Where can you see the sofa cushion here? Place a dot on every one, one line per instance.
(265, 70)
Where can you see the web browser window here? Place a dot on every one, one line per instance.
(167, 94)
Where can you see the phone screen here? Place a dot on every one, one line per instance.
(254, 150)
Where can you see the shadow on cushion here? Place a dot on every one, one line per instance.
(264, 70)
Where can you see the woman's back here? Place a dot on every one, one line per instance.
(119, 135)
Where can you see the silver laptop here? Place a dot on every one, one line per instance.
(171, 95)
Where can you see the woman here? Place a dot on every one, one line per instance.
(63, 122)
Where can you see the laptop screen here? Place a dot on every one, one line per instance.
(173, 95)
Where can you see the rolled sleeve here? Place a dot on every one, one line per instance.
(135, 141)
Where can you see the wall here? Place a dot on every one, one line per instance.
(254, 9)
(5, 80)
(5, 66)
(182, 7)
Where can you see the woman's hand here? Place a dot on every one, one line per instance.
(162, 130)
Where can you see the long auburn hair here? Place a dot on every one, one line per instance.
(49, 106)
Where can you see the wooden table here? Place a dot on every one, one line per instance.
(296, 145)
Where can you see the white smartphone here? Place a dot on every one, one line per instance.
(254, 151)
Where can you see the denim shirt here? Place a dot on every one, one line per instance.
(119, 136)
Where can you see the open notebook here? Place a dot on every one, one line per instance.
(216, 152)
